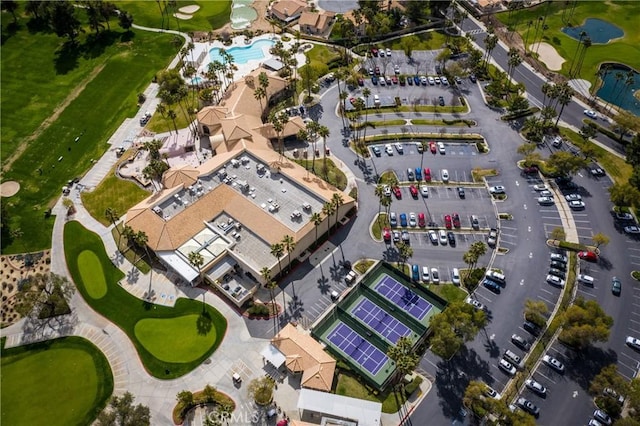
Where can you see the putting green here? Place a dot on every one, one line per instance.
(92, 274)
(63, 382)
(180, 339)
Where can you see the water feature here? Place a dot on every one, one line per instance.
(243, 54)
(196, 80)
(599, 31)
(338, 6)
(242, 14)
(621, 94)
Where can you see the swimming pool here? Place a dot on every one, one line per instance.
(196, 80)
(243, 54)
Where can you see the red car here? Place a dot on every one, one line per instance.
(386, 234)
(360, 82)
(397, 192)
(414, 191)
(374, 51)
(421, 220)
(456, 220)
(588, 256)
(432, 147)
(377, 71)
(352, 100)
(427, 174)
(394, 79)
(447, 221)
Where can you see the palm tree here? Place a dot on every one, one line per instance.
(172, 115)
(112, 215)
(343, 106)
(317, 220)
(197, 260)
(586, 43)
(279, 121)
(405, 252)
(583, 34)
(323, 132)
(490, 43)
(379, 192)
(514, 60)
(328, 209)
(260, 93)
(140, 239)
(406, 360)
(289, 244)
(545, 88)
(366, 92)
(337, 201)
(128, 234)
(277, 251)
(566, 93)
(270, 284)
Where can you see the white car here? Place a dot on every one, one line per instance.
(441, 148)
(388, 149)
(387, 191)
(632, 230)
(435, 275)
(425, 274)
(490, 392)
(507, 367)
(431, 81)
(455, 276)
(399, 147)
(557, 257)
(633, 342)
(573, 197)
(445, 175)
(540, 187)
(576, 205)
(496, 189)
(424, 191)
(437, 80)
(412, 219)
(586, 279)
(546, 193)
(590, 113)
(553, 363)
(423, 80)
(443, 237)
(444, 81)
(602, 417)
(479, 306)
(545, 201)
(388, 51)
(433, 237)
(535, 387)
(556, 281)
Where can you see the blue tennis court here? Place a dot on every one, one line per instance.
(351, 343)
(406, 299)
(379, 320)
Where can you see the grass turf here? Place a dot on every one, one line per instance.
(38, 73)
(211, 15)
(152, 333)
(620, 13)
(59, 382)
(92, 274)
(126, 311)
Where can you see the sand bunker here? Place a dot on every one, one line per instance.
(182, 16)
(548, 55)
(9, 188)
(189, 9)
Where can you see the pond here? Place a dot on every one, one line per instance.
(621, 91)
(599, 31)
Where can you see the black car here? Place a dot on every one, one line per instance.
(473, 78)
(452, 238)
(558, 265)
(531, 328)
(520, 342)
(461, 192)
(376, 151)
(440, 100)
(528, 406)
(491, 285)
(564, 182)
(557, 272)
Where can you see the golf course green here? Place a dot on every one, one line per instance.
(69, 381)
(171, 341)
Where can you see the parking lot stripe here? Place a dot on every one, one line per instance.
(546, 300)
(545, 376)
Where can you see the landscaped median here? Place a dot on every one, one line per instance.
(171, 341)
(62, 382)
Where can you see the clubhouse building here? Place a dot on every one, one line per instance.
(234, 206)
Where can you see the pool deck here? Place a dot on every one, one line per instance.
(239, 41)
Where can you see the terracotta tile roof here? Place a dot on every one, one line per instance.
(304, 354)
(184, 175)
(288, 7)
(309, 18)
(211, 115)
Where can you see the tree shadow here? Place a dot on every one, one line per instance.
(9, 31)
(454, 375)
(204, 323)
(587, 363)
(66, 57)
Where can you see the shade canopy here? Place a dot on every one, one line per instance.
(273, 356)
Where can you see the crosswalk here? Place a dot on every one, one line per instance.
(474, 32)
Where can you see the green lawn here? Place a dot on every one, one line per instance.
(92, 274)
(623, 14)
(211, 15)
(114, 193)
(349, 386)
(38, 74)
(448, 292)
(175, 328)
(59, 382)
(321, 55)
(430, 40)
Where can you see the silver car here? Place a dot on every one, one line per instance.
(545, 201)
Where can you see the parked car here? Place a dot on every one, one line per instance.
(576, 205)
(623, 216)
(415, 272)
(496, 190)
(513, 358)
(611, 393)
(405, 237)
(387, 191)
(413, 190)
(558, 265)
(557, 272)
(376, 151)
(447, 221)
(432, 147)
(393, 219)
(557, 257)
(433, 237)
(416, 80)
(588, 256)
(413, 219)
(492, 238)
(426, 277)
(397, 192)
(632, 342)
(399, 148)
(491, 285)
(475, 223)
(396, 236)
(452, 239)
(427, 174)
(443, 237)
(455, 273)
(473, 302)
(586, 279)
(460, 192)
(424, 191)
(435, 275)
(528, 406)
(602, 417)
(555, 280)
(388, 149)
(520, 342)
(440, 100)
(456, 220)
(386, 235)
(403, 219)
(632, 230)
(507, 367)
(491, 393)
(540, 187)
(553, 363)
(616, 286)
(545, 201)
(535, 387)
(421, 220)
(418, 173)
(441, 148)
(531, 328)
(497, 277)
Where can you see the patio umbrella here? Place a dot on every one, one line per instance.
(283, 422)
